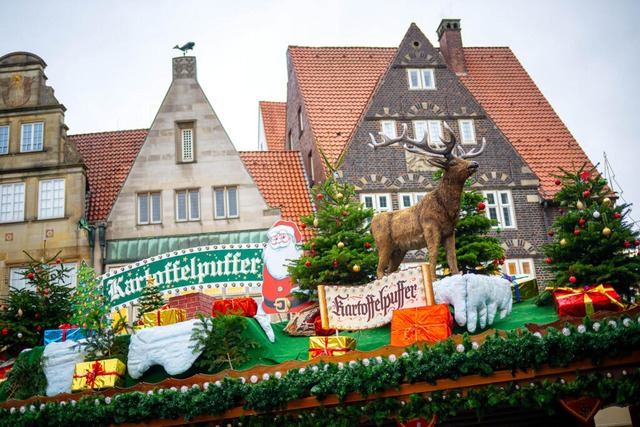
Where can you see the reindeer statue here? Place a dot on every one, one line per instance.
(434, 218)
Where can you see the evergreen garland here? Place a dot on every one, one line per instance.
(518, 350)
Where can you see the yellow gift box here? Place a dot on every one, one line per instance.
(98, 375)
(330, 346)
(163, 317)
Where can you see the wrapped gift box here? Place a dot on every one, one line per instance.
(98, 375)
(164, 316)
(64, 333)
(246, 307)
(580, 302)
(523, 288)
(330, 346)
(430, 323)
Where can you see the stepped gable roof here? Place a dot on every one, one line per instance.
(517, 106)
(274, 120)
(108, 157)
(281, 180)
(336, 85)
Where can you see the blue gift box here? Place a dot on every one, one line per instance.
(69, 334)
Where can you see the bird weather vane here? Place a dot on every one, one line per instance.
(185, 48)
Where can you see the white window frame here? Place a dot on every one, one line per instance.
(71, 281)
(520, 266)
(186, 144)
(420, 128)
(51, 200)
(231, 207)
(191, 205)
(376, 201)
(153, 213)
(12, 202)
(499, 208)
(421, 78)
(435, 133)
(467, 131)
(28, 140)
(388, 127)
(17, 280)
(4, 139)
(414, 199)
(300, 120)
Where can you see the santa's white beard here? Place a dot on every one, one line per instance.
(278, 259)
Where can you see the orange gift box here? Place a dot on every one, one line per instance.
(430, 323)
(246, 307)
(580, 302)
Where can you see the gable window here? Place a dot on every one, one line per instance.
(388, 127)
(225, 202)
(500, 208)
(4, 139)
(12, 202)
(31, 137)
(467, 131)
(519, 267)
(185, 142)
(187, 205)
(149, 208)
(51, 199)
(300, 121)
(290, 141)
(312, 172)
(421, 78)
(409, 199)
(377, 202)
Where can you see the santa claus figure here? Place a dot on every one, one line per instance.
(277, 256)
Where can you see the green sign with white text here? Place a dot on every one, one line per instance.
(232, 265)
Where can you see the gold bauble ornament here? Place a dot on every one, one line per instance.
(356, 268)
(340, 245)
(315, 222)
(606, 231)
(339, 196)
(606, 201)
(20, 312)
(563, 242)
(579, 205)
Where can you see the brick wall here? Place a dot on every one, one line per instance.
(193, 303)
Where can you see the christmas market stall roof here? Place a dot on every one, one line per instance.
(522, 373)
(494, 77)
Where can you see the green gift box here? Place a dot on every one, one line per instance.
(524, 288)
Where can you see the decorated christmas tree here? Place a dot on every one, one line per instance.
(593, 244)
(43, 304)
(87, 301)
(151, 298)
(477, 252)
(341, 251)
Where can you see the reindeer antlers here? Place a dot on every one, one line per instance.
(422, 146)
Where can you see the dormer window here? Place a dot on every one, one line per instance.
(421, 78)
(31, 137)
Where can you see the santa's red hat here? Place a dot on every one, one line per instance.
(288, 227)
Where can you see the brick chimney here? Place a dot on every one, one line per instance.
(451, 45)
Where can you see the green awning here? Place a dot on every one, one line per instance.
(130, 250)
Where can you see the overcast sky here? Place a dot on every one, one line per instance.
(109, 62)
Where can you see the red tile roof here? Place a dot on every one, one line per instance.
(280, 178)
(274, 120)
(522, 113)
(108, 157)
(336, 84)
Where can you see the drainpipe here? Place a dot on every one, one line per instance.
(102, 228)
(545, 205)
(92, 243)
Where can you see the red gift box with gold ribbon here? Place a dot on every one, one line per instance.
(246, 307)
(330, 346)
(430, 323)
(580, 302)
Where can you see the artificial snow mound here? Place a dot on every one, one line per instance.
(60, 360)
(169, 346)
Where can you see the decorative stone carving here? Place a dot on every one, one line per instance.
(16, 90)
(184, 67)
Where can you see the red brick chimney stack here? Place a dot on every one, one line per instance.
(451, 45)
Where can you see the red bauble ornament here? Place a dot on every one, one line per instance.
(344, 213)
(626, 243)
(616, 215)
(313, 245)
(548, 260)
(335, 263)
(303, 226)
(550, 233)
(46, 291)
(586, 193)
(573, 279)
(636, 242)
(37, 315)
(368, 245)
(319, 196)
(561, 210)
(5, 331)
(576, 232)
(501, 262)
(308, 263)
(558, 182)
(58, 261)
(39, 328)
(31, 276)
(481, 206)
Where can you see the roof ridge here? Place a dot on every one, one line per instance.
(110, 131)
